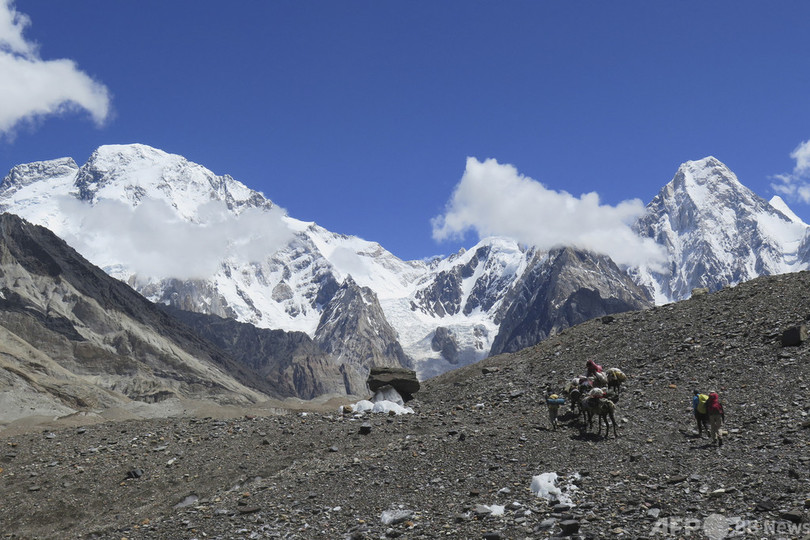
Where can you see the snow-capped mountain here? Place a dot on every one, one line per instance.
(717, 232)
(133, 210)
(183, 236)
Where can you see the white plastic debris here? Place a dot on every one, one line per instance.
(361, 406)
(384, 406)
(388, 393)
(545, 485)
(497, 509)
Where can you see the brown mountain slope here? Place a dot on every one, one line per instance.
(75, 339)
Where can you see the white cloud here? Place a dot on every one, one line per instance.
(796, 185)
(31, 88)
(495, 200)
(12, 25)
(802, 156)
(151, 241)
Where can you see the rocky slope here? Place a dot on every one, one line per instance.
(355, 332)
(290, 361)
(297, 365)
(76, 339)
(462, 465)
(562, 289)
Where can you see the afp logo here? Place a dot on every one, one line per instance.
(715, 526)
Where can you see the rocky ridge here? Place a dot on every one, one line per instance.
(355, 332)
(562, 289)
(463, 464)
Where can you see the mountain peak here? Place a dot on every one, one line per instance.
(133, 172)
(779, 203)
(28, 173)
(132, 163)
(132, 149)
(110, 160)
(706, 184)
(707, 162)
(708, 171)
(717, 231)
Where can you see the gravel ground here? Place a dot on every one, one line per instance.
(462, 465)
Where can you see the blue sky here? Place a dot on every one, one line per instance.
(361, 115)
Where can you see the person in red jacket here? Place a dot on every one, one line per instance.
(592, 368)
(714, 410)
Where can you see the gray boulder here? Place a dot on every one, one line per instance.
(403, 380)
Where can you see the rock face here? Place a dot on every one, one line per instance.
(444, 342)
(560, 290)
(355, 332)
(289, 361)
(76, 339)
(187, 295)
(445, 293)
